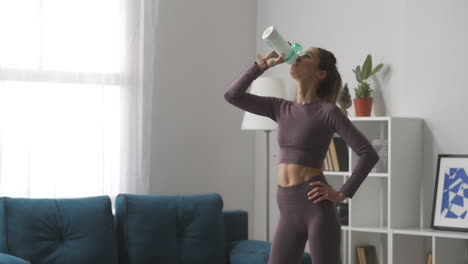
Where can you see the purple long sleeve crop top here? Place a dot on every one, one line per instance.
(305, 130)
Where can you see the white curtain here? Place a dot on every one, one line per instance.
(75, 96)
(141, 69)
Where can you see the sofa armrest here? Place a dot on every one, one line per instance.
(9, 259)
(254, 252)
(235, 225)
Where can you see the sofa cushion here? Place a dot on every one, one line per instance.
(170, 228)
(59, 231)
(254, 251)
(249, 251)
(9, 259)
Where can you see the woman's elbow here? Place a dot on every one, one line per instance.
(229, 97)
(371, 154)
(374, 156)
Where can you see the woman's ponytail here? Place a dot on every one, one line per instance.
(331, 86)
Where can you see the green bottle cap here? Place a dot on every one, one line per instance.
(297, 49)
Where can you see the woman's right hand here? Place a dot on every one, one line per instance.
(272, 59)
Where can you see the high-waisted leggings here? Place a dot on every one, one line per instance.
(301, 220)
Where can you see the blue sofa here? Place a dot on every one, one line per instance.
(145, 229)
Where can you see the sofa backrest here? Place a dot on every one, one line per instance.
(170, 228)
(235, 225)
(58, 231)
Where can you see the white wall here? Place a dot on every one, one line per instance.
(423, 45)
(436, 63)
(198, 146)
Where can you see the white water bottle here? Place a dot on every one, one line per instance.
(274, 39)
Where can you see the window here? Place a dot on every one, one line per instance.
(60, 64)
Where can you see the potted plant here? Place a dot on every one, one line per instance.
(363, 100)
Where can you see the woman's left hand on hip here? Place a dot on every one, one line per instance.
(324, 192)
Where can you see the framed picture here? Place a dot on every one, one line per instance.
(450, 206)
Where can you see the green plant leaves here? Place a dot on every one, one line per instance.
(363, 90)
(376, 69)
(358, 73)
(366, 67)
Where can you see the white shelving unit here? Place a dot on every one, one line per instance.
(386, 209)
(386, 199)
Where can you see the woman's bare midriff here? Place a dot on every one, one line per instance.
(290, 174)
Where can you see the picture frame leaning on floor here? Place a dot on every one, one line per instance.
(450, 203)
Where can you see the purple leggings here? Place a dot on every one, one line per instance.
(302, 220)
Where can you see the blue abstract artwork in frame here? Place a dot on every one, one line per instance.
(450, 206)
(455, 194)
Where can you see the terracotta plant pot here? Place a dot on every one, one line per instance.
(363, 106)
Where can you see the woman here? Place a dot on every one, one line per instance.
(306, 202)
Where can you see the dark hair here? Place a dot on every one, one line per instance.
(330, 87)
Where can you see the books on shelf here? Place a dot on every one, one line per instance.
(328, 164)
(366, 254)
(337, 155)
(333, 155)
(429, 258)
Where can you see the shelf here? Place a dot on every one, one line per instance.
(413, 231)
(370, 229)
(358, 239)
(370, 118)
(336, 173)
(347, 173)
(410, 249)
(431, 232)
(378, 174)
(411, 245)
(409, 231)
